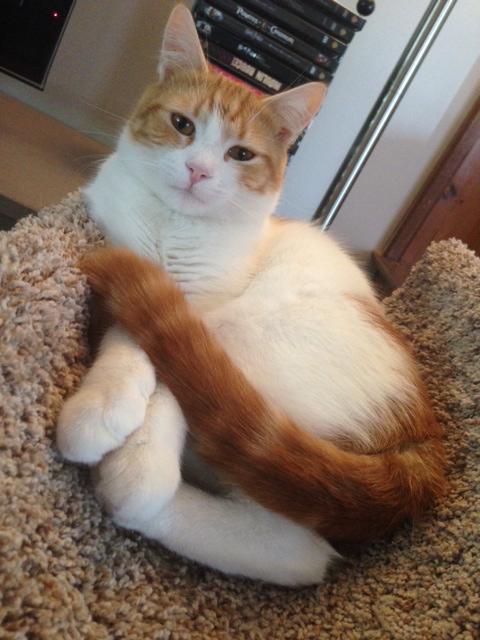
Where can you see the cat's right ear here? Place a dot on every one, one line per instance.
(181, 48)
(295, 108)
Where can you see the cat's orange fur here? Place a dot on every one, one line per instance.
(342, 491)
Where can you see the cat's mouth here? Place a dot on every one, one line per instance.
(189, 194)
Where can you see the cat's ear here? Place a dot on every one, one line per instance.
(295, 108)
(181, 48)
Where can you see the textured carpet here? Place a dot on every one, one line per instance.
(67, 572)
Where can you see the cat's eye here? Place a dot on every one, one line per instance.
(182, 124)
(242, 154)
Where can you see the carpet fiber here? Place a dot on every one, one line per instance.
(67, 572)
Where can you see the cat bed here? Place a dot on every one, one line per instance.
(67, 572)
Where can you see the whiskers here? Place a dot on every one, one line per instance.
(302, 212)
(247, 212)
(115, 116)
(98, 133)
(150, 163)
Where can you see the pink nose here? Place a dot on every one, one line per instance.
(197, 172)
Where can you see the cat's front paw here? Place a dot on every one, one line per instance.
(136, 481)
(97, 419)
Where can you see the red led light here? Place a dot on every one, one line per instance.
(55, 14)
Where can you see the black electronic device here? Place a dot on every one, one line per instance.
(313, 15)
(302, 28)
(305, 68)
(278, 33)
(273, 45)
(30, 32)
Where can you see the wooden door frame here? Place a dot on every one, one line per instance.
(389, 262)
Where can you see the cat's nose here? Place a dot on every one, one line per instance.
(198, 172)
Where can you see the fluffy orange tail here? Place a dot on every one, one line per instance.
(345, 496)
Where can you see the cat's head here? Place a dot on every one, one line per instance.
(207, 145)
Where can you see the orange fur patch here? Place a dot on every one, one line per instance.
(343, 494)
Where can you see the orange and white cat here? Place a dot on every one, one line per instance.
(309, 422)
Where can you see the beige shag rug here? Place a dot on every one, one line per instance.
(67, 572)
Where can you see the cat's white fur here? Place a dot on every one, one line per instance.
(274, 295)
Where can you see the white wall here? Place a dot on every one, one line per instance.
(437, 100)
(364, 69)
(429, 115)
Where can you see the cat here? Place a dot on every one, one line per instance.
(309, 424)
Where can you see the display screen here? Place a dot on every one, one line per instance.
(30, 31)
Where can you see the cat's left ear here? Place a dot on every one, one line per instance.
(181, 48)
(295, 108)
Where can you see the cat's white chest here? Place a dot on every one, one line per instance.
(131, 216)
(184, 256)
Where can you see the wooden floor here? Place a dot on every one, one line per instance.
(41, 160)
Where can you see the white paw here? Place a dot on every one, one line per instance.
(97, 419)
(136, 481)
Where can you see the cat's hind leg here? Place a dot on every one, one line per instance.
(237, 536)
(136, 480)
(140, 485)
